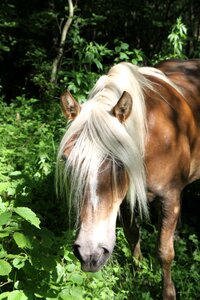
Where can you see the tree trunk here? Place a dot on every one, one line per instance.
(65, 30)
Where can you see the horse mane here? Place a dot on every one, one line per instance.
(96, 135)
(151, 71)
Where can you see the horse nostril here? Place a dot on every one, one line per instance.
(105, 251)
(77, 251)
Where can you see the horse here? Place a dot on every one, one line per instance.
(135, 140)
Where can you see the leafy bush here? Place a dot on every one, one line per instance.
(174, 44)
(178, 37)
(36, 259)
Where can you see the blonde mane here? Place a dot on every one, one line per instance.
(99, 135)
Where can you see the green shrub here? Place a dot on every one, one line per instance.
(36, 259)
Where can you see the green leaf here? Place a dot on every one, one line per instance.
(124, 46)
(76, 278)
(4, 234)
(76, 292)
(123, 56)
(19, 263)
(196, 255)
(5, 268)
(17, 295)
(21, 240)
(4, 295)
(96, 275)
(68, 256)
(5, 217)
(65, 294)
(16, 173)
(27, 214)
(4, 186)
(70, 267)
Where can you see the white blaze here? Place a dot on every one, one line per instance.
(93, 181)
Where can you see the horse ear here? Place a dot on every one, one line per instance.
(123, 107)
(69, 105)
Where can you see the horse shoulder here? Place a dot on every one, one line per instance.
(168, 143)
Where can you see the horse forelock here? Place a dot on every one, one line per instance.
(98, 135)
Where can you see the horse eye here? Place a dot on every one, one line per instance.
(64, 157)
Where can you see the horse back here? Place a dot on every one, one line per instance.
(174, 127)
(186, 75)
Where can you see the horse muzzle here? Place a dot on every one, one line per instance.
(91, 261)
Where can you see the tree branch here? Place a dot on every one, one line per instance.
(57, 60)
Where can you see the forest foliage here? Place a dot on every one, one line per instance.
(102, 33)
(36, 259)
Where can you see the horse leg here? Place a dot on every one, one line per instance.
(131, 230)
(170, 209)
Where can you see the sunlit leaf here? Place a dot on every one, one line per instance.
(21, 240)
(76, 278)
(5, 217)
(17, 295)
(4, 295)
(5, 268)
(27, 214)
(19, 263)
(4, 186)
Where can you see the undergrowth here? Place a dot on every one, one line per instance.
(36, 259)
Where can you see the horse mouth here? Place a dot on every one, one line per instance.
(93, 265)
(93, 262)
